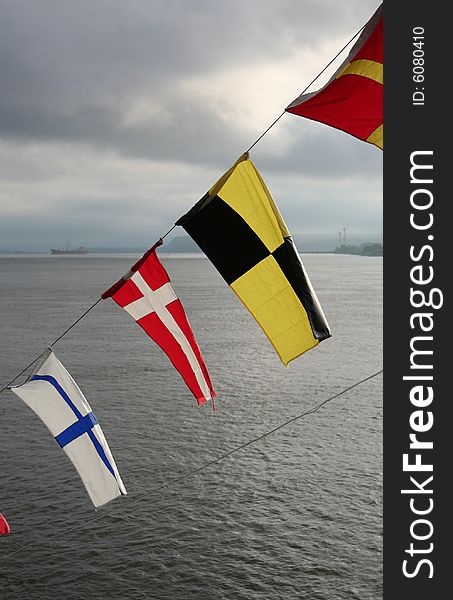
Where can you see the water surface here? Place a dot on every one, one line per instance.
(295, 516)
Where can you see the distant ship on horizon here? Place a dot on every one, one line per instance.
(79, 250)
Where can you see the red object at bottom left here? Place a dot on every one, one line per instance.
(4, 526)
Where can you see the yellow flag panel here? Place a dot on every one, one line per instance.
(239, 227)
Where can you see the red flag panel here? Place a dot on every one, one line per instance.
(4, 526)
(353, 98)
(147, 295)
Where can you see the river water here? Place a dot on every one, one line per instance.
(298, 515)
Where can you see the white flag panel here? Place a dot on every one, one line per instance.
(54, 396)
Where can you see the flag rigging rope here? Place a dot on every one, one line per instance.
(171, 229)
(52, 344)
(309, 85)
(202, 467)
(189, 474)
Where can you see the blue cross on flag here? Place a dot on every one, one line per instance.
(54, 396)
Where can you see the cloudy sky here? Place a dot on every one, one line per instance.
(116, 117)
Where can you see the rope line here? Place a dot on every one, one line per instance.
(310, 84)
(173, 227)
(75, 322)
(169, 231)
(204, 466)
(50, 345)
(242, 446)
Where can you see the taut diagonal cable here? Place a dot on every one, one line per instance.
(206, 465)
(50, 345)
(171, 229)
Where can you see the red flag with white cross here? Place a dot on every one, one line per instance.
(145, 292)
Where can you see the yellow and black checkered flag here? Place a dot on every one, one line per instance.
(239, 227)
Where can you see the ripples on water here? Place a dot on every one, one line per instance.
(296, 516)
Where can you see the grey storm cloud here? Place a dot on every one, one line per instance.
(69, 69)
(151, 82)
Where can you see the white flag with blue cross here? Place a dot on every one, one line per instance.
(54, 396)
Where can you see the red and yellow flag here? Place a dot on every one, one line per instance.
(353, 98)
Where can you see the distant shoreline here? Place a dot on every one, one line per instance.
(138, 253)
